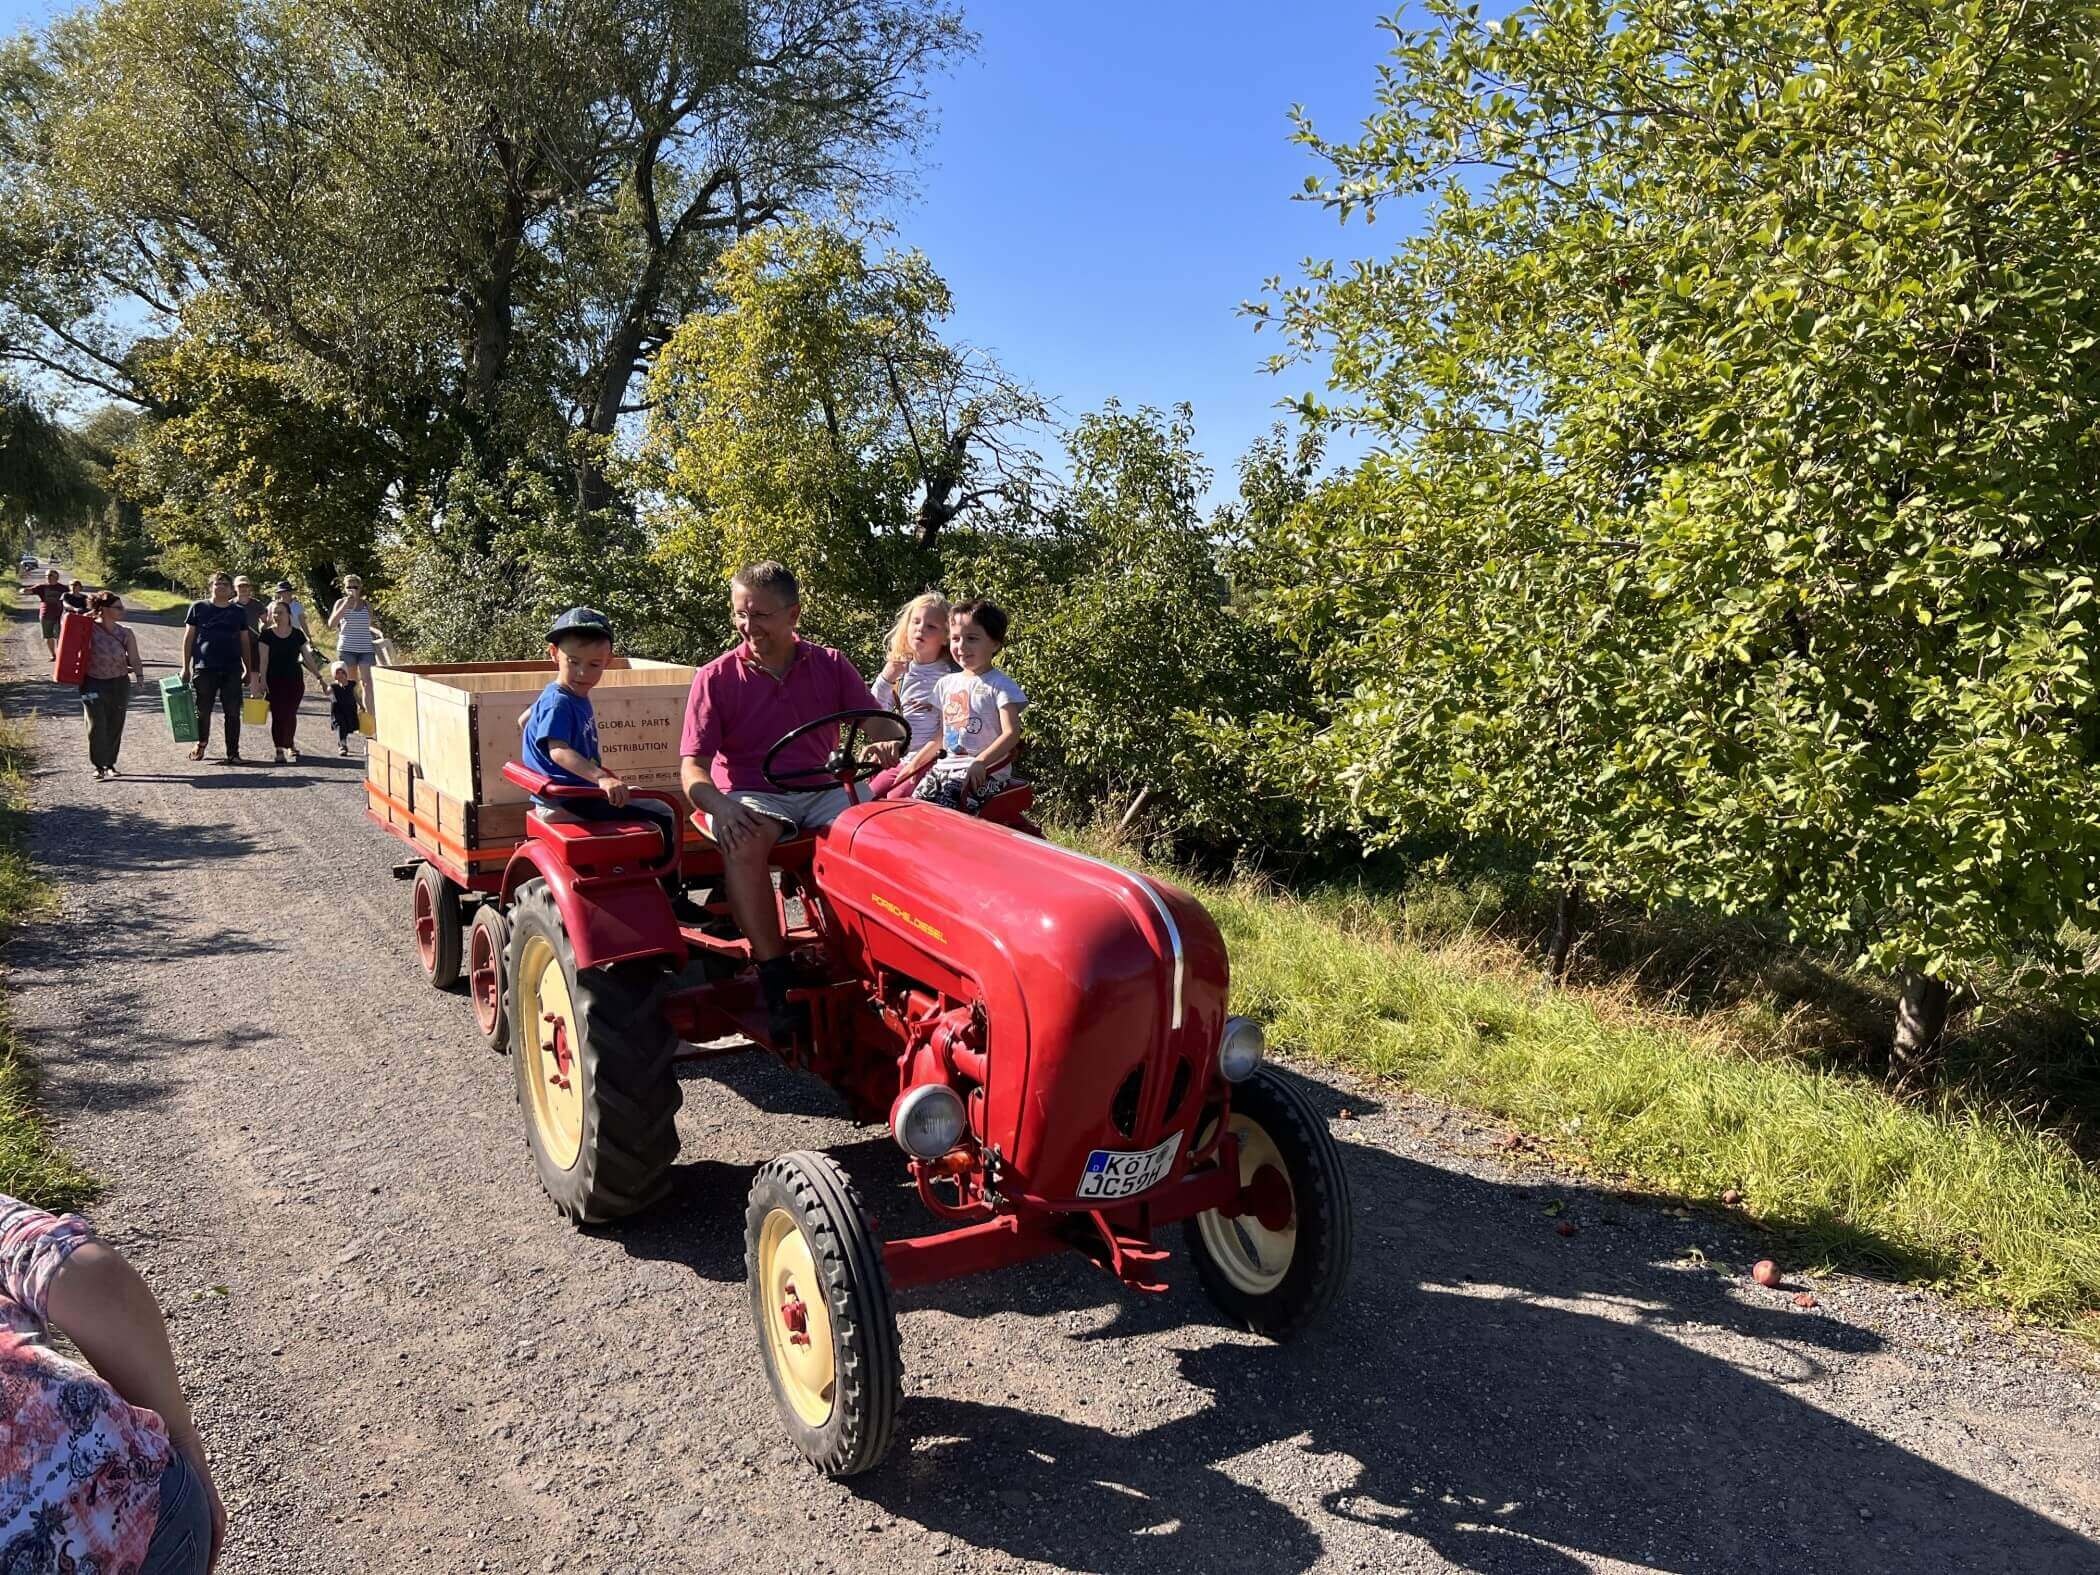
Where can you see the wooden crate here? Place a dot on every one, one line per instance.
(468, 715)
(476, 826)
(478, 837)
(394, 711)
(390, 785)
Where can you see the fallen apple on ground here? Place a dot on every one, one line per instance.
(1766, 1272)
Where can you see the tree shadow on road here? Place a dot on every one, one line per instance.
(1487, 1389)
(1513, 1399)
(80, 843)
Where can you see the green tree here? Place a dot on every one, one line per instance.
(1141, 671)
(1734, 534)
(467, 227)
(243, 464)
(816, 415)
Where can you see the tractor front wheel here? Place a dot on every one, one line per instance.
(820, 1298)
(434, 906)
(594, 1068)
(1276, 1265)
(488, 937)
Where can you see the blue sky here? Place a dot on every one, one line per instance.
(1110, 179)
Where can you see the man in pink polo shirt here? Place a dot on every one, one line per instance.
(743, 703)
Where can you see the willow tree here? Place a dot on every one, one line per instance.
(1736, 528)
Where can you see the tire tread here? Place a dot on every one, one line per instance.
(1274, 1102)
(627, 1053)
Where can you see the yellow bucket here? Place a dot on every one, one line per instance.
(366, 725)
(254, 711)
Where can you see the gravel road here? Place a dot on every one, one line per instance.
(404, 1362)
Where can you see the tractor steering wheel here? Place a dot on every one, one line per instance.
(845, 767)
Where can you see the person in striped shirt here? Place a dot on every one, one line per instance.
(356, 639)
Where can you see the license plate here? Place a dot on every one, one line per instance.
(1111, 1173)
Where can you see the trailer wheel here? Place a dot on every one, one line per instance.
(487, 938)
(820, 1298)
(1276, 1266)
(435, 908)
(594, 1068)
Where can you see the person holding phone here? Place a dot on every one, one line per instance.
(351, 618)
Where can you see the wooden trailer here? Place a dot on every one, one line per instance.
(434, 768)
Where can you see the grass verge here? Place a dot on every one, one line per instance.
(1972, 1201)
(32, 1167)
(143, 600)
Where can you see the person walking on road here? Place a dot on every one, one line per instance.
(284, 594)
(52, 597)
(218, 657)
(285, 650)
(351, 618)
(342, 707)
(252, 606)
(104, 1468)
(76, 598)
(105, 687)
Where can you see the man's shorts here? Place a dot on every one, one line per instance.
(801, 813)
(50, 628)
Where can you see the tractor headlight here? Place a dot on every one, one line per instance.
(928, 1120)
(1240, 1049)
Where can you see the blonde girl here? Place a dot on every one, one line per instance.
(917, 660)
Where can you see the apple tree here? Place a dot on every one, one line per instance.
(1732, 530)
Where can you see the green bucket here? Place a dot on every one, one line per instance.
(181, 708)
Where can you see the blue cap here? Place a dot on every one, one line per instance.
(584, 619)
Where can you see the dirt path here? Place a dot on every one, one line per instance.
(405, 1363)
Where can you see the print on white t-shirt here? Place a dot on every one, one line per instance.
(969, 705)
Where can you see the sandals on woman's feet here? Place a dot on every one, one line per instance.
(197, 753)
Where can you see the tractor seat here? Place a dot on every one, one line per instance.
(596, 843)
(789, 853)
(1007, 806)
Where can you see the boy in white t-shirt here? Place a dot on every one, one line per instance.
(980, 713)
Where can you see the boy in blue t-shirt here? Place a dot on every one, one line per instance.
(560, 732)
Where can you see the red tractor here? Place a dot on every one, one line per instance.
(1047, 1041)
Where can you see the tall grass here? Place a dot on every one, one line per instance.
(32, 1167)
(1974, 1201)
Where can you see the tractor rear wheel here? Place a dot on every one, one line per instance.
(820, 1296)
(594, 1068)
(488, 937)
(434, 904)
(1275, 1267)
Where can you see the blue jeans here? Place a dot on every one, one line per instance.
(182, 1532)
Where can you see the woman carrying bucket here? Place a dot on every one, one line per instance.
(285, 650)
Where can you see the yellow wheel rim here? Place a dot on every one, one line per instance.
(797, 1319)
(1253, 1257)
(552, 1067)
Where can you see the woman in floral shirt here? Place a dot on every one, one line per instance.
(102, 1472)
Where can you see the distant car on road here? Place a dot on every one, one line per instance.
(28, 563)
